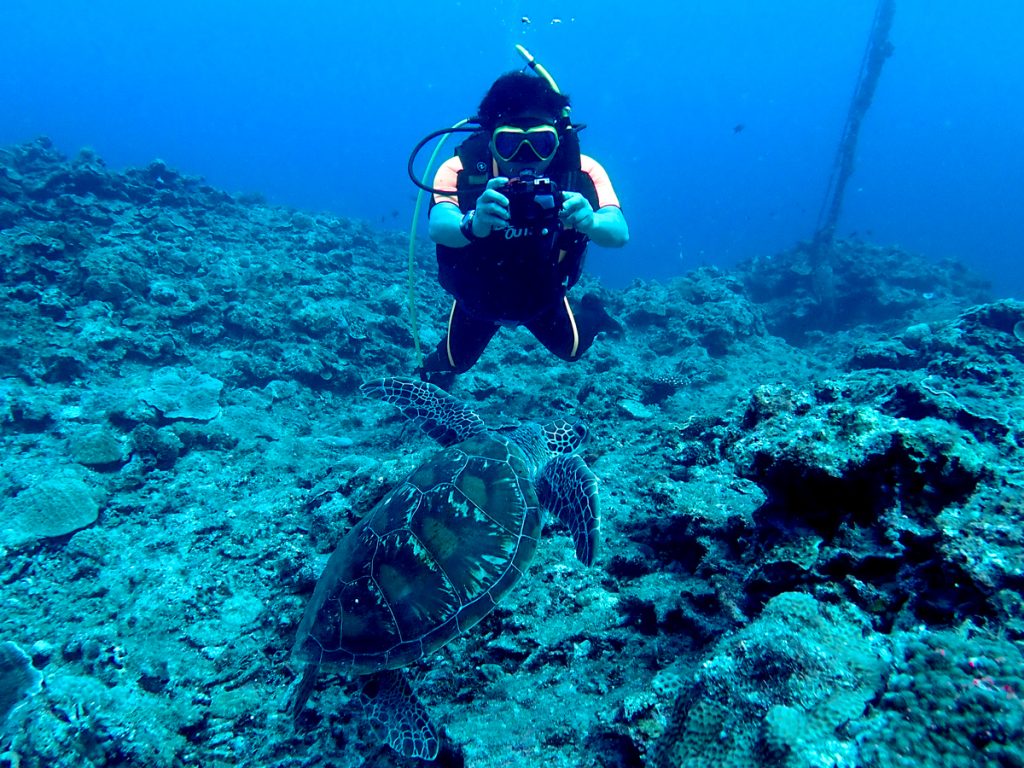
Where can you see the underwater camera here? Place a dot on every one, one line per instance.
(533, 201)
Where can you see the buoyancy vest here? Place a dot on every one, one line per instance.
(514, 274)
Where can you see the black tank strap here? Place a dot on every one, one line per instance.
(475, 154)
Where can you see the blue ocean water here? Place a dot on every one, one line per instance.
(718, 120)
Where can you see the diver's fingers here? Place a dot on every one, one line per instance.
(493, 212)
(493, 196)
(574, 202)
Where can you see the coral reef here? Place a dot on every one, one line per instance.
(51, 502)
(18, 680)
(950, 699)
(781, 692)
(183, 395)
(804, 506)
(878, 285)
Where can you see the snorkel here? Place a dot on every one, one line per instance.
(466, 125)
(537, 67)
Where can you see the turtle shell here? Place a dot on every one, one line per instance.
(428, 562)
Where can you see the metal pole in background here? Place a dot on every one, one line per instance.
(878, 50)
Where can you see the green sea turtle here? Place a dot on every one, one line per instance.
(439, 551)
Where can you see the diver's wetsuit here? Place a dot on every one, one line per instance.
(518, 275)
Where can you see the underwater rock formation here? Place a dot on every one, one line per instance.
(880, 286)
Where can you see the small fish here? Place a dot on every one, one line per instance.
(738, 127)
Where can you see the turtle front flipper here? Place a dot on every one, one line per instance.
(397, 716)
(429, 407)
(568, 489)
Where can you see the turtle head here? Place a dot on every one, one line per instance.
(565, 437)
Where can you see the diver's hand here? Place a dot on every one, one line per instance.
(577, 213)
(491, 208)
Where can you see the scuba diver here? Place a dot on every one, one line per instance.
(511, 215)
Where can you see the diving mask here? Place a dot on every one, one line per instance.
(537, 144)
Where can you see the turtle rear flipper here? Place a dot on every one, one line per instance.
(300, 690)
(429, 407)
(568, 489)
(397, 716)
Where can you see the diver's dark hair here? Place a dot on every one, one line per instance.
(515, 93)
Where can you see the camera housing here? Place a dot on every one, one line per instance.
(533, 201)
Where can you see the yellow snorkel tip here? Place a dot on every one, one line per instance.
(535, 65)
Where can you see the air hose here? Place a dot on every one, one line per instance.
(413, 321)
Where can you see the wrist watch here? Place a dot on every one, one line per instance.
(466, 227)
